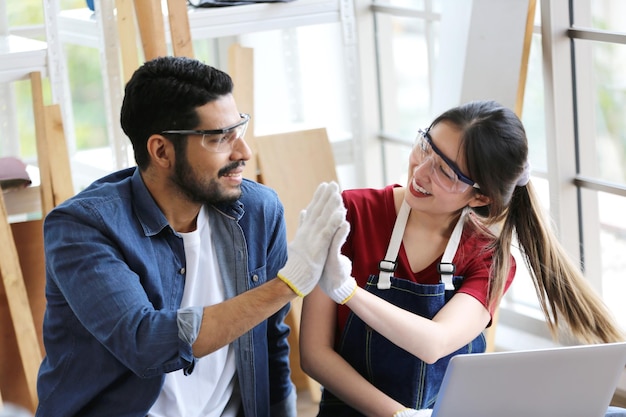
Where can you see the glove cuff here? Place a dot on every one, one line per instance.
(411, 412)
(345, 292)
(296, 275)
(290, 284)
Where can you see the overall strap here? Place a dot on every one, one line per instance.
(388, 265)
(446, 268)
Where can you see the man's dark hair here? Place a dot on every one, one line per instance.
(163, 94)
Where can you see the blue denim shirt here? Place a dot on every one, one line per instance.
(115, 274)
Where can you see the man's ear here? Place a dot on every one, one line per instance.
(161, 151)
(479, 200)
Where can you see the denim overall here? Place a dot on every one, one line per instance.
(391, 369)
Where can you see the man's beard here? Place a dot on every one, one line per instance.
(198, 191)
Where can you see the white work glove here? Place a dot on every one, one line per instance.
(308, 251)
(336, 280)
(410, 412)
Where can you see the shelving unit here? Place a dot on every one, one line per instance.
(21, 352)
(79, 26)
(87, 28)
(238, 20)
(19, 57)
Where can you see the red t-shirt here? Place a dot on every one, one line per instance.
(372, 214)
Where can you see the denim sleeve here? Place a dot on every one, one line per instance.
(189, 320)
(285, 408)
(114, 287)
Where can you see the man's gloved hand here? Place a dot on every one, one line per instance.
(336, 280)
(308, 251)
(410, 412)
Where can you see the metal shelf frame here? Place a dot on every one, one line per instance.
(87, 28)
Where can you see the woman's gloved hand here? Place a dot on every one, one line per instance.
(308, 251)
(336, 280)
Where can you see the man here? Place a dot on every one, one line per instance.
(160, 292)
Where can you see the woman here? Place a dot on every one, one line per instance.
(429, 272)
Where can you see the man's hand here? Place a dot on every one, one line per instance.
(308, 251)
(336, 280)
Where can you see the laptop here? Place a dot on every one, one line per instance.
(576, 381)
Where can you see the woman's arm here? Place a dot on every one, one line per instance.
(455, 325)
(319, 359)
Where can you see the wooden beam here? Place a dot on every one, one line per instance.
(57, 156)
(127, 32)
(19, 307)
(39, 113)
(241, 69)
(151, 27)
(180, 32)
(528, 37)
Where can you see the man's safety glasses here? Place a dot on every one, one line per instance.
(218, 140)
(442, 170)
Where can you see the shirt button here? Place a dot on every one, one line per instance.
(182, 271)
(255, 277)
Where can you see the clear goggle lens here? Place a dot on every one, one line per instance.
(441, 171)
(224, 142)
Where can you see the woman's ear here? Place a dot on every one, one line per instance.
(479, 200)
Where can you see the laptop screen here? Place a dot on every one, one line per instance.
(576, 381)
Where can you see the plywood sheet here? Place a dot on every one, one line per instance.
(294, 164)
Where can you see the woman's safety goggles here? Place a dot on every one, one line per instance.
(442, 169)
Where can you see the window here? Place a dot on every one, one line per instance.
(303, 76)
(576, 136)
(599, 55)
(574, 95)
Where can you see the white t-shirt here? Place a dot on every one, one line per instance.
(212, 389)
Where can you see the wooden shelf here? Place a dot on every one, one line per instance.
(20, 56)
(79, 26)
(97, 30)
(24, 203)
(238, 20)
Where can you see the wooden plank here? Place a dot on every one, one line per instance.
(151, 28)
(28, 238)
(300, 379)
(127, 33)
(295, 179)
(58, 157)
(19, 307)
(179, 28)
(241, 69)
(47, 198)
(528, 37)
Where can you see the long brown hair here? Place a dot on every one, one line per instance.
(496, 153)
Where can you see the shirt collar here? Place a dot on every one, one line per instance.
(152, 219)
